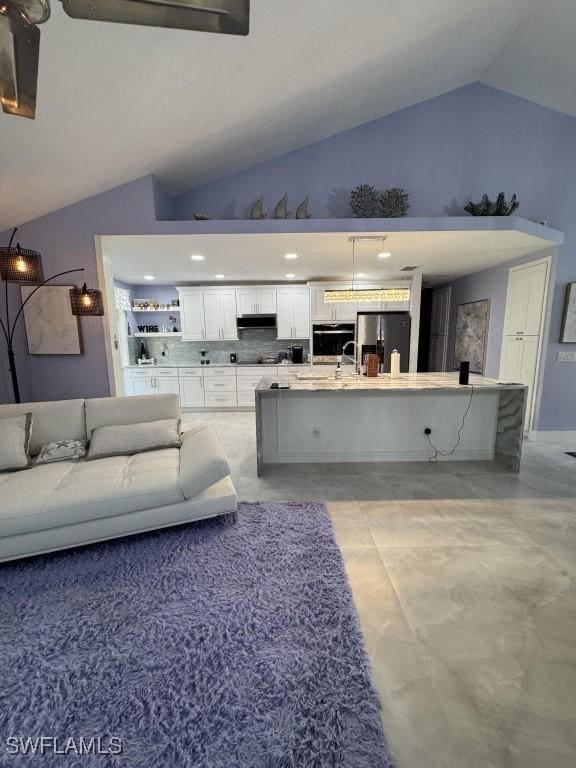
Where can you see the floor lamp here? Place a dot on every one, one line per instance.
(22, 266)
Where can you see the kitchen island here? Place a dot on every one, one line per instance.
(359, 419)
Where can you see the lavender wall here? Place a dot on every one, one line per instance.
(444, 152)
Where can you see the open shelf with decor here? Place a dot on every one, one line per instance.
(166, 334)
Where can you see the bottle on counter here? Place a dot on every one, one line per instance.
(394, 364)
(338, 371)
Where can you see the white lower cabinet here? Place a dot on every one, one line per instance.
(208, 387)
(191, 388)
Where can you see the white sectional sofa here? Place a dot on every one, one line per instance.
(69, 503)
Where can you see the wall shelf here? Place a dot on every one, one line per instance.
(172, 309)
(168, 334)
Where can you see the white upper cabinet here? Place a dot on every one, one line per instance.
(256, 301)
(192, 314)
(525, 299)
(220, 314)
(322, 312)
(293, 310)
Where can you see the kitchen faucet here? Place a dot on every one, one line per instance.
(354, 359)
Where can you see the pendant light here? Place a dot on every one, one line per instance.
(364, 295)
(86, 302)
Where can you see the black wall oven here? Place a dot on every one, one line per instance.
(328, 340)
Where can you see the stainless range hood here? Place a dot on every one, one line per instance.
(255, 321)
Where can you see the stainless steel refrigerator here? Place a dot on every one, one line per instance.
(381, 333)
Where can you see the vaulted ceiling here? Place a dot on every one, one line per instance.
(117, 102)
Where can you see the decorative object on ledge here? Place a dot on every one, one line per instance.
(23, 267)
(568, 331)
(201, 217)
(393, 203)
(303, 210)
(364, 202)
(472, 321)
(281, 209)
(487, 208)
(257, 211)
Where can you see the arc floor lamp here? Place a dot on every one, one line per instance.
(22, 266)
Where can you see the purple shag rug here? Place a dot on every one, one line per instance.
(211, 645)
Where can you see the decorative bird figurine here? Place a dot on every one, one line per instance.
(281, 209)
(303, 212)
(257, 211)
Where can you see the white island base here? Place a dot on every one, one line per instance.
(383, 419)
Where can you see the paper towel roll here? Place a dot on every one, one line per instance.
(395, 364)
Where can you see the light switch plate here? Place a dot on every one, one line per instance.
(566, 357)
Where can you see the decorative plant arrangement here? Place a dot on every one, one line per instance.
(366, 202)
(488, 208)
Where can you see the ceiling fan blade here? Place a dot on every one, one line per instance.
(19, 52)
(229, 17)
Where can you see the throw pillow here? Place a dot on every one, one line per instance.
(15, 442)
(62, 450)
(127, 439)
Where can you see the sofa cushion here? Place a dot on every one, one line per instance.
(129, 439)
(57, 420)
(51, 495)
(109, 411)
(202, 460)
(15, 442)
(62, 450)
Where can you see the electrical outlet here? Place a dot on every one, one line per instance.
(316, 433)
(427, 431)
(566, 356)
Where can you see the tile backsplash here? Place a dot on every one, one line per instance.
(252, 342)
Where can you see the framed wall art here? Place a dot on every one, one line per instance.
(568, 330)
(471, 337)
(51, 328)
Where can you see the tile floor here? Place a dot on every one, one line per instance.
(464, 577)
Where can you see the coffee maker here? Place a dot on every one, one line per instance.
(297, 355)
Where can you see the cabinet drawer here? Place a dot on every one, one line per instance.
(246, 398)
(216, 372)
(142, 374)
(250, 382)
(216, 400)
(195, 373)
(225, 384)
(166, 372)
(291, 371)
(257, 370)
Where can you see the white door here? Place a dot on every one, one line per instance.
(528, 371)
(212, 315)
(266, 301)
(144, 386)
(439, 323)
(301, 313)
(228, 314)
(165, 385)
(247, 300)
(525, 299)
(192, 315)
(192, 392)
(285, 313)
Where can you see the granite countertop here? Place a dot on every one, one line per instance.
(406, 382)
(219, 365)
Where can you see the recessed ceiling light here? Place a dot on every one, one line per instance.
(197, 257)
(384, 255)
(290, 275)
(218, 276)
(149, 277)
(291, 256)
